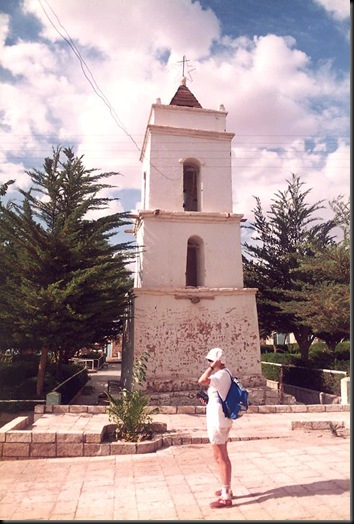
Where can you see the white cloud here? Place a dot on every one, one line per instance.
(275, 97)
(339, 9)
(13, 171)
(114, 26)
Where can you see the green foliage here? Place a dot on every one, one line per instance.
(282, 358)
(271, 372)
(18, 382)
(63, 283)
(324, 301)
(130, 411)
(93, 354)
(12, 374)
(313, 379)
(281, 238)
(308, 374)
(342, 216)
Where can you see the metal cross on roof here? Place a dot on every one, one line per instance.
(183, 62)
(186, 70)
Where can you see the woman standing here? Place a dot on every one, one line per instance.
(218, 426)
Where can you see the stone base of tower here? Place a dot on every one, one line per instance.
(178, 326)
(258, 396)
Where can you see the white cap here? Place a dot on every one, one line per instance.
(216, 354)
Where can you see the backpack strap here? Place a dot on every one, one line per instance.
(220, 399)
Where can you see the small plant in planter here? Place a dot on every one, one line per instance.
(130, 410)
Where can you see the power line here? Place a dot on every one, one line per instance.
(84, 66)
(93, 83)
(267, 145)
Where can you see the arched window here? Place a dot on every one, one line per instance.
(195, 262)
(191, 192)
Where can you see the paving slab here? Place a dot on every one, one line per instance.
(303, 477)
(286, 466)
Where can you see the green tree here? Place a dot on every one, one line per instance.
(341, 209)
(279, 238)
(324, 303)
(66, 283)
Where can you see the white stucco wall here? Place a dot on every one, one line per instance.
(164, 256)
(175, 324)
(188, 117)
(166, 150)
(178, 334)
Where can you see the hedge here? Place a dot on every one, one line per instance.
(18, 381)
(315, 379)
(310, 374)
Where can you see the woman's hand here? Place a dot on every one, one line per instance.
(216, 364)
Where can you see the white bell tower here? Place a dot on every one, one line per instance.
(189, 294)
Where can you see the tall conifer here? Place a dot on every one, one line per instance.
(67, 283)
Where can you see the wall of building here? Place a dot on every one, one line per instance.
(167, 149)
(188, 117)
(167, 234)
(178, 328)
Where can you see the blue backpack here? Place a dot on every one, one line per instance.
(236, 401)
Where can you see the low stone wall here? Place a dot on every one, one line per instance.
(17, 442)
(304, 395)
(309, 396)
(258, 396)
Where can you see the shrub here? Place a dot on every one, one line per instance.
(266, 348)
(13, 373)
(271, 372)
(281, 358)
(314, 379)
(129, 411)
(18, 382)
(310, 374)
(26, 357)
(12, 376)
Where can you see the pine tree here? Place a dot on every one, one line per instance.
(67, 284)
(281, 237)
(324, 304)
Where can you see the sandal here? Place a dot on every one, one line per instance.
(221, 503)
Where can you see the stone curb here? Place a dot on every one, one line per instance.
(18, 443)
(172, 410)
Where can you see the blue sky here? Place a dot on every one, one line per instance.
(280, 67)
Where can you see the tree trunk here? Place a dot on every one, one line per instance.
(41, 371)
(304, 337)
(59, 368)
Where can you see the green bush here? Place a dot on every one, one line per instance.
(95, 356)
(26, 357)
(266, 348)
(271, 372)
(130, 411)
(313, 379)
(312, 376)
(16, 372)
(18, 381)
(281, 358)
(92, 354)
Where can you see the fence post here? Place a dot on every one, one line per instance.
(281, 386)
(53, 398)
(345, 390)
